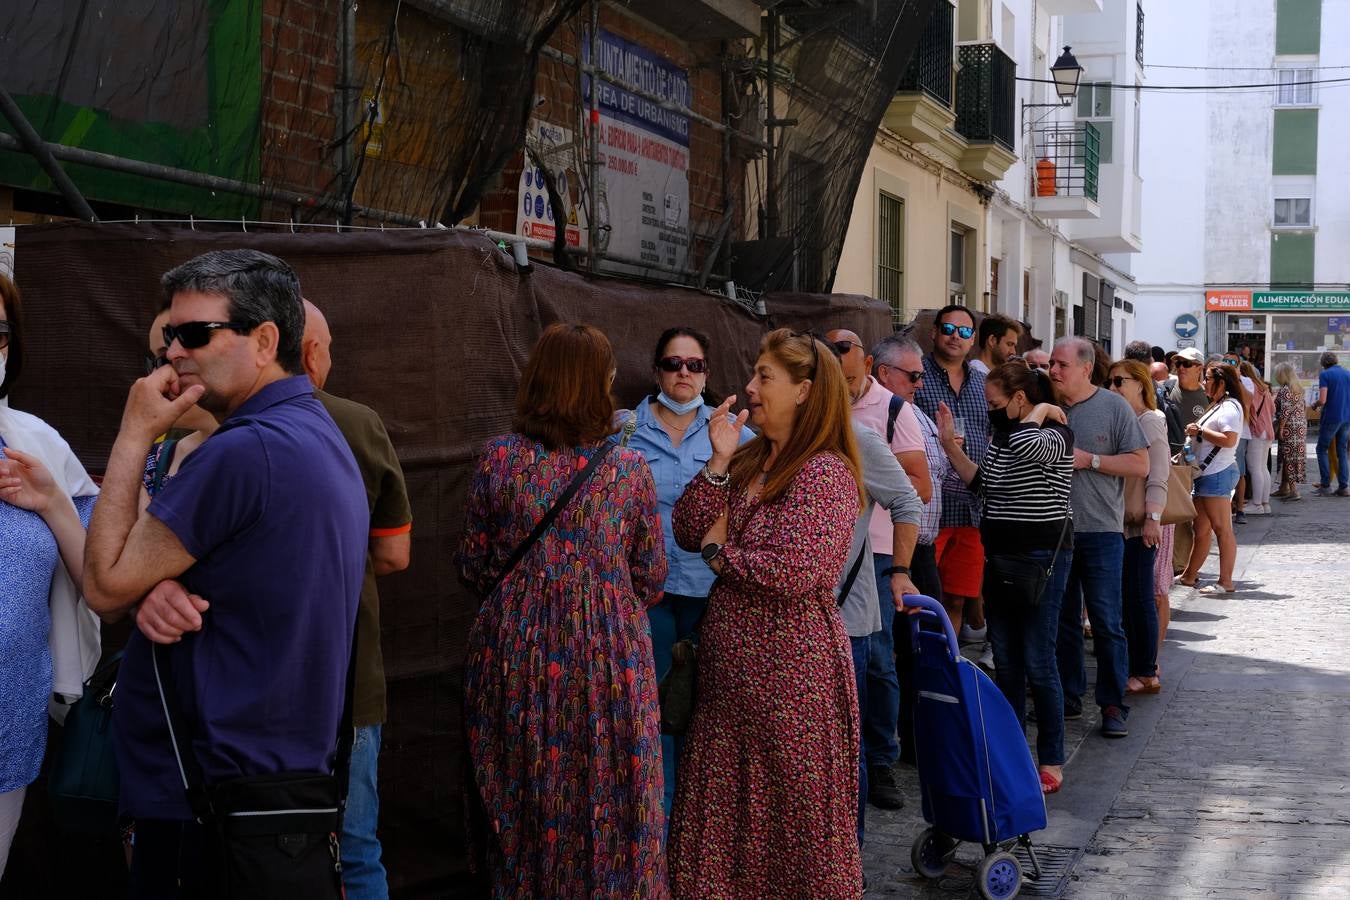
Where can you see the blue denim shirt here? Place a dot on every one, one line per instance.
(672, 469)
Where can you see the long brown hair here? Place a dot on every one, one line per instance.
(1232, 386)
(823, 425)
(1137, 371)
(9, 296)
(564, 397)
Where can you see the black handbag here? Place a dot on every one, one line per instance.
(83, 782)
(268, 837)
(1017, 580)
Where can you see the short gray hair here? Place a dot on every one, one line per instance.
(259, 287)
(1083, 350)
(889, 348)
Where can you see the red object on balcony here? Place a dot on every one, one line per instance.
(1045, 178)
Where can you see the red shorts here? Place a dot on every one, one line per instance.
(960, 560)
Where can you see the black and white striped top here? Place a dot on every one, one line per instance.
(1024, 482)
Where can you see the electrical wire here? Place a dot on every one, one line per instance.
(1298, 66)
(1207, 88)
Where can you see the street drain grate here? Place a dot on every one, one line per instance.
(1056, 865)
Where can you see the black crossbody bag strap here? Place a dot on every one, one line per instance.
(194, 781)
(524, 547)
(853, 574)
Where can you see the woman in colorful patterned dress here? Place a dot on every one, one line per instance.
(767, 800)
(1291, 411)
(560, 699)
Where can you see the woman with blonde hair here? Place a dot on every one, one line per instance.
(1291, 413)
(1263, 435)
(767, 799)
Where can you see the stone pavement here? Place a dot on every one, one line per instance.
(1235, 781)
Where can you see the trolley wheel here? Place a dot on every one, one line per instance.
(928, 855)
(999, 876)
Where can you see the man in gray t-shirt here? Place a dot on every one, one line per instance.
(1109, 446)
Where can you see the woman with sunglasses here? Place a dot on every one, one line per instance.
(49, 640)
(767, 800)
(1023, 479)
(670, 429)
(1291, 414)
(1214, 440)
(1145, 538)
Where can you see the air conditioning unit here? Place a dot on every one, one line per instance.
(958, 299)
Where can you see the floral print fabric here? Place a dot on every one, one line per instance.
(561, 708)
(767, 800)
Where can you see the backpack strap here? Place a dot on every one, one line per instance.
(897, 404)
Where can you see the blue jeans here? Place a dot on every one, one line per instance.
(860, 649)
(1340, 433)
(883, 685)
(1095, 578)
(671, 620)
(1023, 642)
(1140, 612)
(362, 871)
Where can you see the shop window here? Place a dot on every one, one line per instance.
(1295, 144)
(1291, 259)
(1094, 105)
(891, 254)
(1300, 338)
(1293, 212)
(1298, 26)
(1296, 87)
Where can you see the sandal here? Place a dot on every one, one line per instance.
(1150, 685)
(1049, 783)
(1216, 590)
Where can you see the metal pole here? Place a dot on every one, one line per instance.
(346, 74)
(32, 142)
(770, 154)
(593, 156)
(201, 180)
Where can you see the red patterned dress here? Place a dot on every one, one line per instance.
(767, 800)
(560, 689)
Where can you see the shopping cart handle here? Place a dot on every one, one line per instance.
(931, 607)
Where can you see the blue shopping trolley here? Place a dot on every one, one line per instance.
(978, 780)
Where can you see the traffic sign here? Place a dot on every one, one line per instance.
(1186, 325)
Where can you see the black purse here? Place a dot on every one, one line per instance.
(1017, 580)
(83, 782)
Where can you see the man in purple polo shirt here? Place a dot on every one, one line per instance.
(265, 526)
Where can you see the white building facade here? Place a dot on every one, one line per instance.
(1248, 242)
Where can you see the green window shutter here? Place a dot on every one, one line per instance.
(1295, 142)
(1298, 26)
(1291, 259)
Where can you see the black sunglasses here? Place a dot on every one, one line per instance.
(914, 376)
(4, 335)
(815, 354)
(694, 364)
(155, 362)
(1187, 364)
(951, 328)
(193, 335)
(843, 348)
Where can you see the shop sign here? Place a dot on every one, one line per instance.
(1226, 301)
(1297, 300)
(1246, 324)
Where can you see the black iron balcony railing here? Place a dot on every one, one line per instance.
(930, 69)
(1139, 33)
(986, 95)
(1067, 160)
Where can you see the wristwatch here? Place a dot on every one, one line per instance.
(1096, 462)
(894, 570)
(710, 551)
(1157, 517)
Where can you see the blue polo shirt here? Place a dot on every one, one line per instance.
(1337, 382)
(274, 510)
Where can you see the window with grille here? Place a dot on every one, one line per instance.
(891, 253)
(1296, 88)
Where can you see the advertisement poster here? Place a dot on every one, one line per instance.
(644, 157)
(551, 145)
(7, 251)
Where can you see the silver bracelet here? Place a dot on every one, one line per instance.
(716, 480)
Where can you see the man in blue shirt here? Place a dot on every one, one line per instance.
(265, 526)
(1333, 398)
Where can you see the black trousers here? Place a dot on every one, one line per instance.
(169, 861)
(923, 571)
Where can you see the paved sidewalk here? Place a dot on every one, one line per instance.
(1235, 781)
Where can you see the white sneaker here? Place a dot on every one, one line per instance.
(986, 660)
(1256, 509)
(973, 635)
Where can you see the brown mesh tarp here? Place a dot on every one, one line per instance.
(431, 328)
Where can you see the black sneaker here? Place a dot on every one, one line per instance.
(1240, 518)
(1113, 722)
(882, 791)
(1072, 712)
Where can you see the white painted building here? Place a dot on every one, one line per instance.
(1254, 210)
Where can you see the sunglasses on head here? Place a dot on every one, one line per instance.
(672, 364)
(951, 328)
(154, 362)
(815, 354)
(193, 335)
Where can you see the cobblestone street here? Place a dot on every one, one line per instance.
(1234, 781)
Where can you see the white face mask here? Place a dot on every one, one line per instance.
(4, 355)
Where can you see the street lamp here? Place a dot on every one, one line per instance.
(1066, 72)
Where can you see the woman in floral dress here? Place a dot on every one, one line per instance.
(767, 800)
(1291, 411)
(560, 690)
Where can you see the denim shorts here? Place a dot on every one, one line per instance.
(1242, 457)
(1217, 484)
